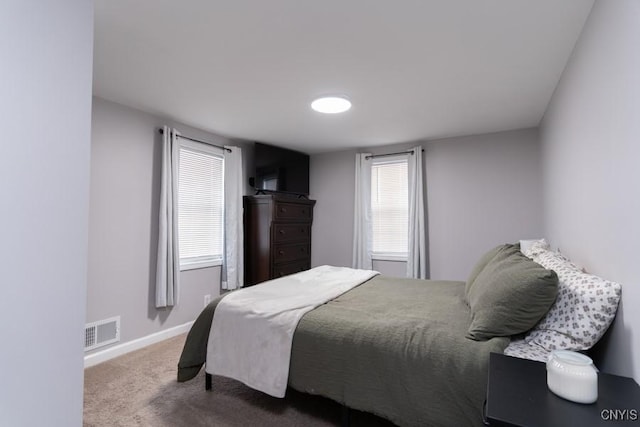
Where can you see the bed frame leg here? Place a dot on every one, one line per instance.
(207, 381)
(346, 416)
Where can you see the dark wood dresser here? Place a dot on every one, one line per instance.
(277, 236)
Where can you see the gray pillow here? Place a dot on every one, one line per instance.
(509, 296)
(501, 251)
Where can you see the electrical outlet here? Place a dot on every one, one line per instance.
(207, 300)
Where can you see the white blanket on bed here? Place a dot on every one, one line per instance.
(252, 330)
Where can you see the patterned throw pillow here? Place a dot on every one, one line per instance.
(532, 248)
(584, 309)
(524, 350)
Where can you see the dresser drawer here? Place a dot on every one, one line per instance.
(285, 269)
(293, 211)
(291, 252)
(291, 232)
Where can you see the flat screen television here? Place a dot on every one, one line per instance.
(280, 170)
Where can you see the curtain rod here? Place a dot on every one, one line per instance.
(197, 140)
(373, 156)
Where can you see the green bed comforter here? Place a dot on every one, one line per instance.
(393, 347)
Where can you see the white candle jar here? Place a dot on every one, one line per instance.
(572, 376)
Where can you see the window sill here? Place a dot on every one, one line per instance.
(199, 265)
(389, 257)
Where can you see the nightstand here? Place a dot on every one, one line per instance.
(517, 395)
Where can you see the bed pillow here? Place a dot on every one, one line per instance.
(582, 313)
(509, 296)
(502, 250)
(533, 247)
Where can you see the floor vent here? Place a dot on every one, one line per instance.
(102, 332)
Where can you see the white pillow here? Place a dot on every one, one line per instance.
(534, 246)
(585, 307)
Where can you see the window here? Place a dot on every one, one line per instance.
(200, 206)
(390, 209)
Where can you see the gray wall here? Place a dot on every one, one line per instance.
(331, 182)
(481, 191)
(590, 138)
(123, 230)
(45, 82)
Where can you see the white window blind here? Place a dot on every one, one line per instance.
(390, 208)
(200, 206)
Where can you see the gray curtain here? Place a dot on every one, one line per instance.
(417, 257)
(362, 229)
(168, 266)
(233, 262)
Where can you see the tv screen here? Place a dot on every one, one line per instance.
(281, 170)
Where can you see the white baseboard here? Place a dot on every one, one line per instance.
(127, 347)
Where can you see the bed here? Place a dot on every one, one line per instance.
(412, 351)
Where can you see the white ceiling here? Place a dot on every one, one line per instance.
(419, 69)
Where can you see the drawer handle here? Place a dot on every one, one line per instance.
(301, 249)
(282, 231)
(302, 230)
(303, 211)
(283, 209)
(281, 252)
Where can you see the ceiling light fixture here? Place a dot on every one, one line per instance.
(331, 104)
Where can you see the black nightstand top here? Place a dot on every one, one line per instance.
(517, 395)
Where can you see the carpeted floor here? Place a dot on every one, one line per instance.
(140, 389)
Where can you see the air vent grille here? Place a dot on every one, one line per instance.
(101, 333)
